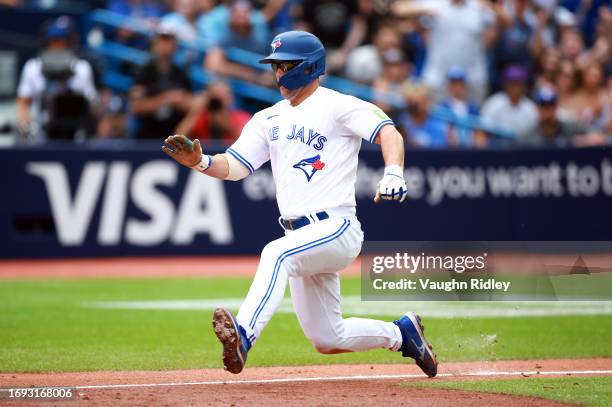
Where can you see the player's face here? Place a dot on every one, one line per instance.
(284, 66)
(280, 68)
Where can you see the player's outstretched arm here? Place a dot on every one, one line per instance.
(392, 186)
(189, 154)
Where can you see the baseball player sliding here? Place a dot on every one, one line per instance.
(311, 138)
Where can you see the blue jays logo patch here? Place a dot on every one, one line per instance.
(310, 165)
(276, 44)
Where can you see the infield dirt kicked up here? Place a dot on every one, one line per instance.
(325, 385)
(331, 385)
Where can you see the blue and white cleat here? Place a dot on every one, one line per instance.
(230, 334)
(415, 345)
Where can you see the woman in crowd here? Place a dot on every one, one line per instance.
(590, 103)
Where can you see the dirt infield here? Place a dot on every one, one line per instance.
(217, 266)
(138, 267)
(332, 385)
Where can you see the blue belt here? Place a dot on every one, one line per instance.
(296, 223)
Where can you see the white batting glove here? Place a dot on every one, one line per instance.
(392, 186)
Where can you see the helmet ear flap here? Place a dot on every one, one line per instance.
(318, 66)
(315, 67)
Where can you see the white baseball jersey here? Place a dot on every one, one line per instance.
(312, 148)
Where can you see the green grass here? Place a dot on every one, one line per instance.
(588, 391)
(44, 327)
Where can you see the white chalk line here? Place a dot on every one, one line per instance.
(348, 378)
(355, 306)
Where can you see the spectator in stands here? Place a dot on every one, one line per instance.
(277, 13)
(388, 86)
(183, 20)
(365, 63)
(414, 37)
(550, 22)
(580, 83)
(161, 94)
(375, 13)
(56, 95)
(515, 41)
(339, 26)
(547, 68)
(589, 104)
(148, 12)
(146, 9)
(514, 44)
(243, 31)
(461, 108)
(114, 123)
(235, 20)
(458, 93)
(213, 116)
(459, 33)
(510, 109)
(571, 46)
(602, 48)
(418, 127)
(566, 82)
(586, 14)
(553, 129)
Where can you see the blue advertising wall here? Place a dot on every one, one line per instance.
(69, 202)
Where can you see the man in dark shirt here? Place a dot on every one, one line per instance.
(338, 24)
(161, 94)
(553, 129)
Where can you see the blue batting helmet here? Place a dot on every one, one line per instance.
(61, 27)
(298, 46)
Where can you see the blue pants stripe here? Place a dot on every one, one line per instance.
(288, 253)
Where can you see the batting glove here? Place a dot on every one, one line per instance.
(186, 152)
(392, 186)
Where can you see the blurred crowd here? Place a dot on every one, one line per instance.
(450, 73)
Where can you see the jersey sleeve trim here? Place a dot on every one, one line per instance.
(240, 158)
(377, 129)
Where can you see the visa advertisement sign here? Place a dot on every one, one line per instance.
(69, 202)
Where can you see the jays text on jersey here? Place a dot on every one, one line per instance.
(312, 147)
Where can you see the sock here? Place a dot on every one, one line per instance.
(245, 339)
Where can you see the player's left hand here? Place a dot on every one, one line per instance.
(392, 186)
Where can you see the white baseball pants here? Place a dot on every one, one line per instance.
(310, 258)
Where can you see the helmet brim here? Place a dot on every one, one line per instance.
(281, 56)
